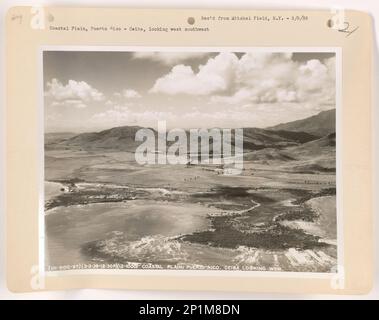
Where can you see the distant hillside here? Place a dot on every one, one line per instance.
(310, 149)
(119, 138)
(320, 155)
(319, 125)
(292, 134)
(256, 139)
(310, 157)
(58, 136)
(123, 139)
(316, 147)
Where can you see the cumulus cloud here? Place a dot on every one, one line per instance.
(235, 117)
(69, 103)
(131, 94)
(121, 115)
(109, 103)
(216, 75)
(257, 77)
(253, 89)
(169, 58)
(74, 93)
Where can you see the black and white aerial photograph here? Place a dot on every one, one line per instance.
(190, 160)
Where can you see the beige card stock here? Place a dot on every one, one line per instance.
(289, 209)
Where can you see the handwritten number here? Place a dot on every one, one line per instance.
(346, 29)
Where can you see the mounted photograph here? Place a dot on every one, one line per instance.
(190, 160)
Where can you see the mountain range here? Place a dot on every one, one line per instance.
(304, 134)
(319, 125)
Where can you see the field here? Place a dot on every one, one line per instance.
(278, 215)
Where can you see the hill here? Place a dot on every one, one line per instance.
(123, 139)
(298, 133)
(319, 125)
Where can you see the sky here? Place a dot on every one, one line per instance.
(88, 91)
